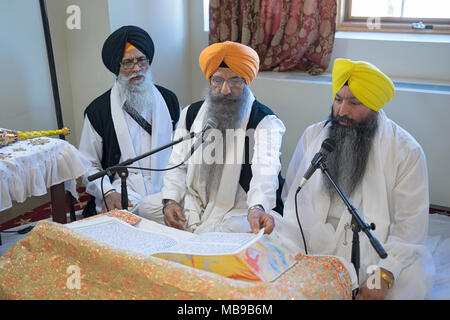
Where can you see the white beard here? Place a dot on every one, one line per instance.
(138, 96)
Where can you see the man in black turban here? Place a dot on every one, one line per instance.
(131, 118)
(114, 47)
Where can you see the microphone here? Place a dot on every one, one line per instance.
(327, 147)
(210, 124)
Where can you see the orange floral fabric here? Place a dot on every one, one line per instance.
(46, 265)
(286, 34)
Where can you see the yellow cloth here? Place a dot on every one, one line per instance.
(241, 59)
(129, 46)
(369, 85)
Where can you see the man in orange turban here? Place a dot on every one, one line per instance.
(382, 170)
(232, 183)
(241, 59)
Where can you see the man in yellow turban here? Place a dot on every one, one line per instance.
(232, 182)
(381, 169)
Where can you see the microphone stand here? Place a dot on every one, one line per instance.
(122, 171)
(358, 224)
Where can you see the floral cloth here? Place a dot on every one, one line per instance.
(47, 264)
(287, 34)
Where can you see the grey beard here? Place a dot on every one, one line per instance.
(347, 163)
(227, 115)
(138, 97)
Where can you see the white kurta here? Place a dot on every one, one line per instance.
(393, 195)
(133, 141)
(227, 211)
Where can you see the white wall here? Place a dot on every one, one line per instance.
(87, 75)
(25, 87)
(56, 11)
(423, 58)
(198, 41)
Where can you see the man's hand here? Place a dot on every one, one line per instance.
(173, 216)
(259, 219)
(367, 293)
(114, 201)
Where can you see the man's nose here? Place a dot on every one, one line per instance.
(225, 88)
(136, 67)
(344, 110)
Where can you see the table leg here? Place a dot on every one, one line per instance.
(58, 198)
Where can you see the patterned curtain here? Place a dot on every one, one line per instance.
(287, 34)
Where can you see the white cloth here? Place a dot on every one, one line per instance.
(29, 167)
(224, 211)
(393, 195)
(133, 141)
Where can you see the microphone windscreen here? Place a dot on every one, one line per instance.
(328, 145)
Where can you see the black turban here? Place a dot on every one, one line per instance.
(114, 46)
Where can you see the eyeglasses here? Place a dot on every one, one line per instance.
(129, 64)
(232, 82)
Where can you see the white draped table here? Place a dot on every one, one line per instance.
(31, 167)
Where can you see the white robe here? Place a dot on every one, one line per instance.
(133, 141)
(227, 211)
(393, 195)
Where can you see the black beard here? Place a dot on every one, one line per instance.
(347, 163)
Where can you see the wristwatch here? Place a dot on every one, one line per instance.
(107, 193)
(167, 202)
(386, 277)
(256, 206)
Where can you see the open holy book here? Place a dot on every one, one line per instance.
(244, 256)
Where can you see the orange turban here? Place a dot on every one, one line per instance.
(129, 46)
(238, 57)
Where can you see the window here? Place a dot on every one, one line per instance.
(411, 16)
(206, 15)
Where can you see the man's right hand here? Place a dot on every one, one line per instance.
(114, 201)
(173, 216)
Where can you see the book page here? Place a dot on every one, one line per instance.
(121, 235)
(215, 243)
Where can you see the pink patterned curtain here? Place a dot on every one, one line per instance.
(287, 34)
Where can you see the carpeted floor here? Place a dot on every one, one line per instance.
(45, 211)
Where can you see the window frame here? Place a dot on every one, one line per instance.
(346, 22)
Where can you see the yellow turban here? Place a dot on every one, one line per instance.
(238, 57)
(369, 85)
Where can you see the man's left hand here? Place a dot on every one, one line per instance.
(259, 219)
